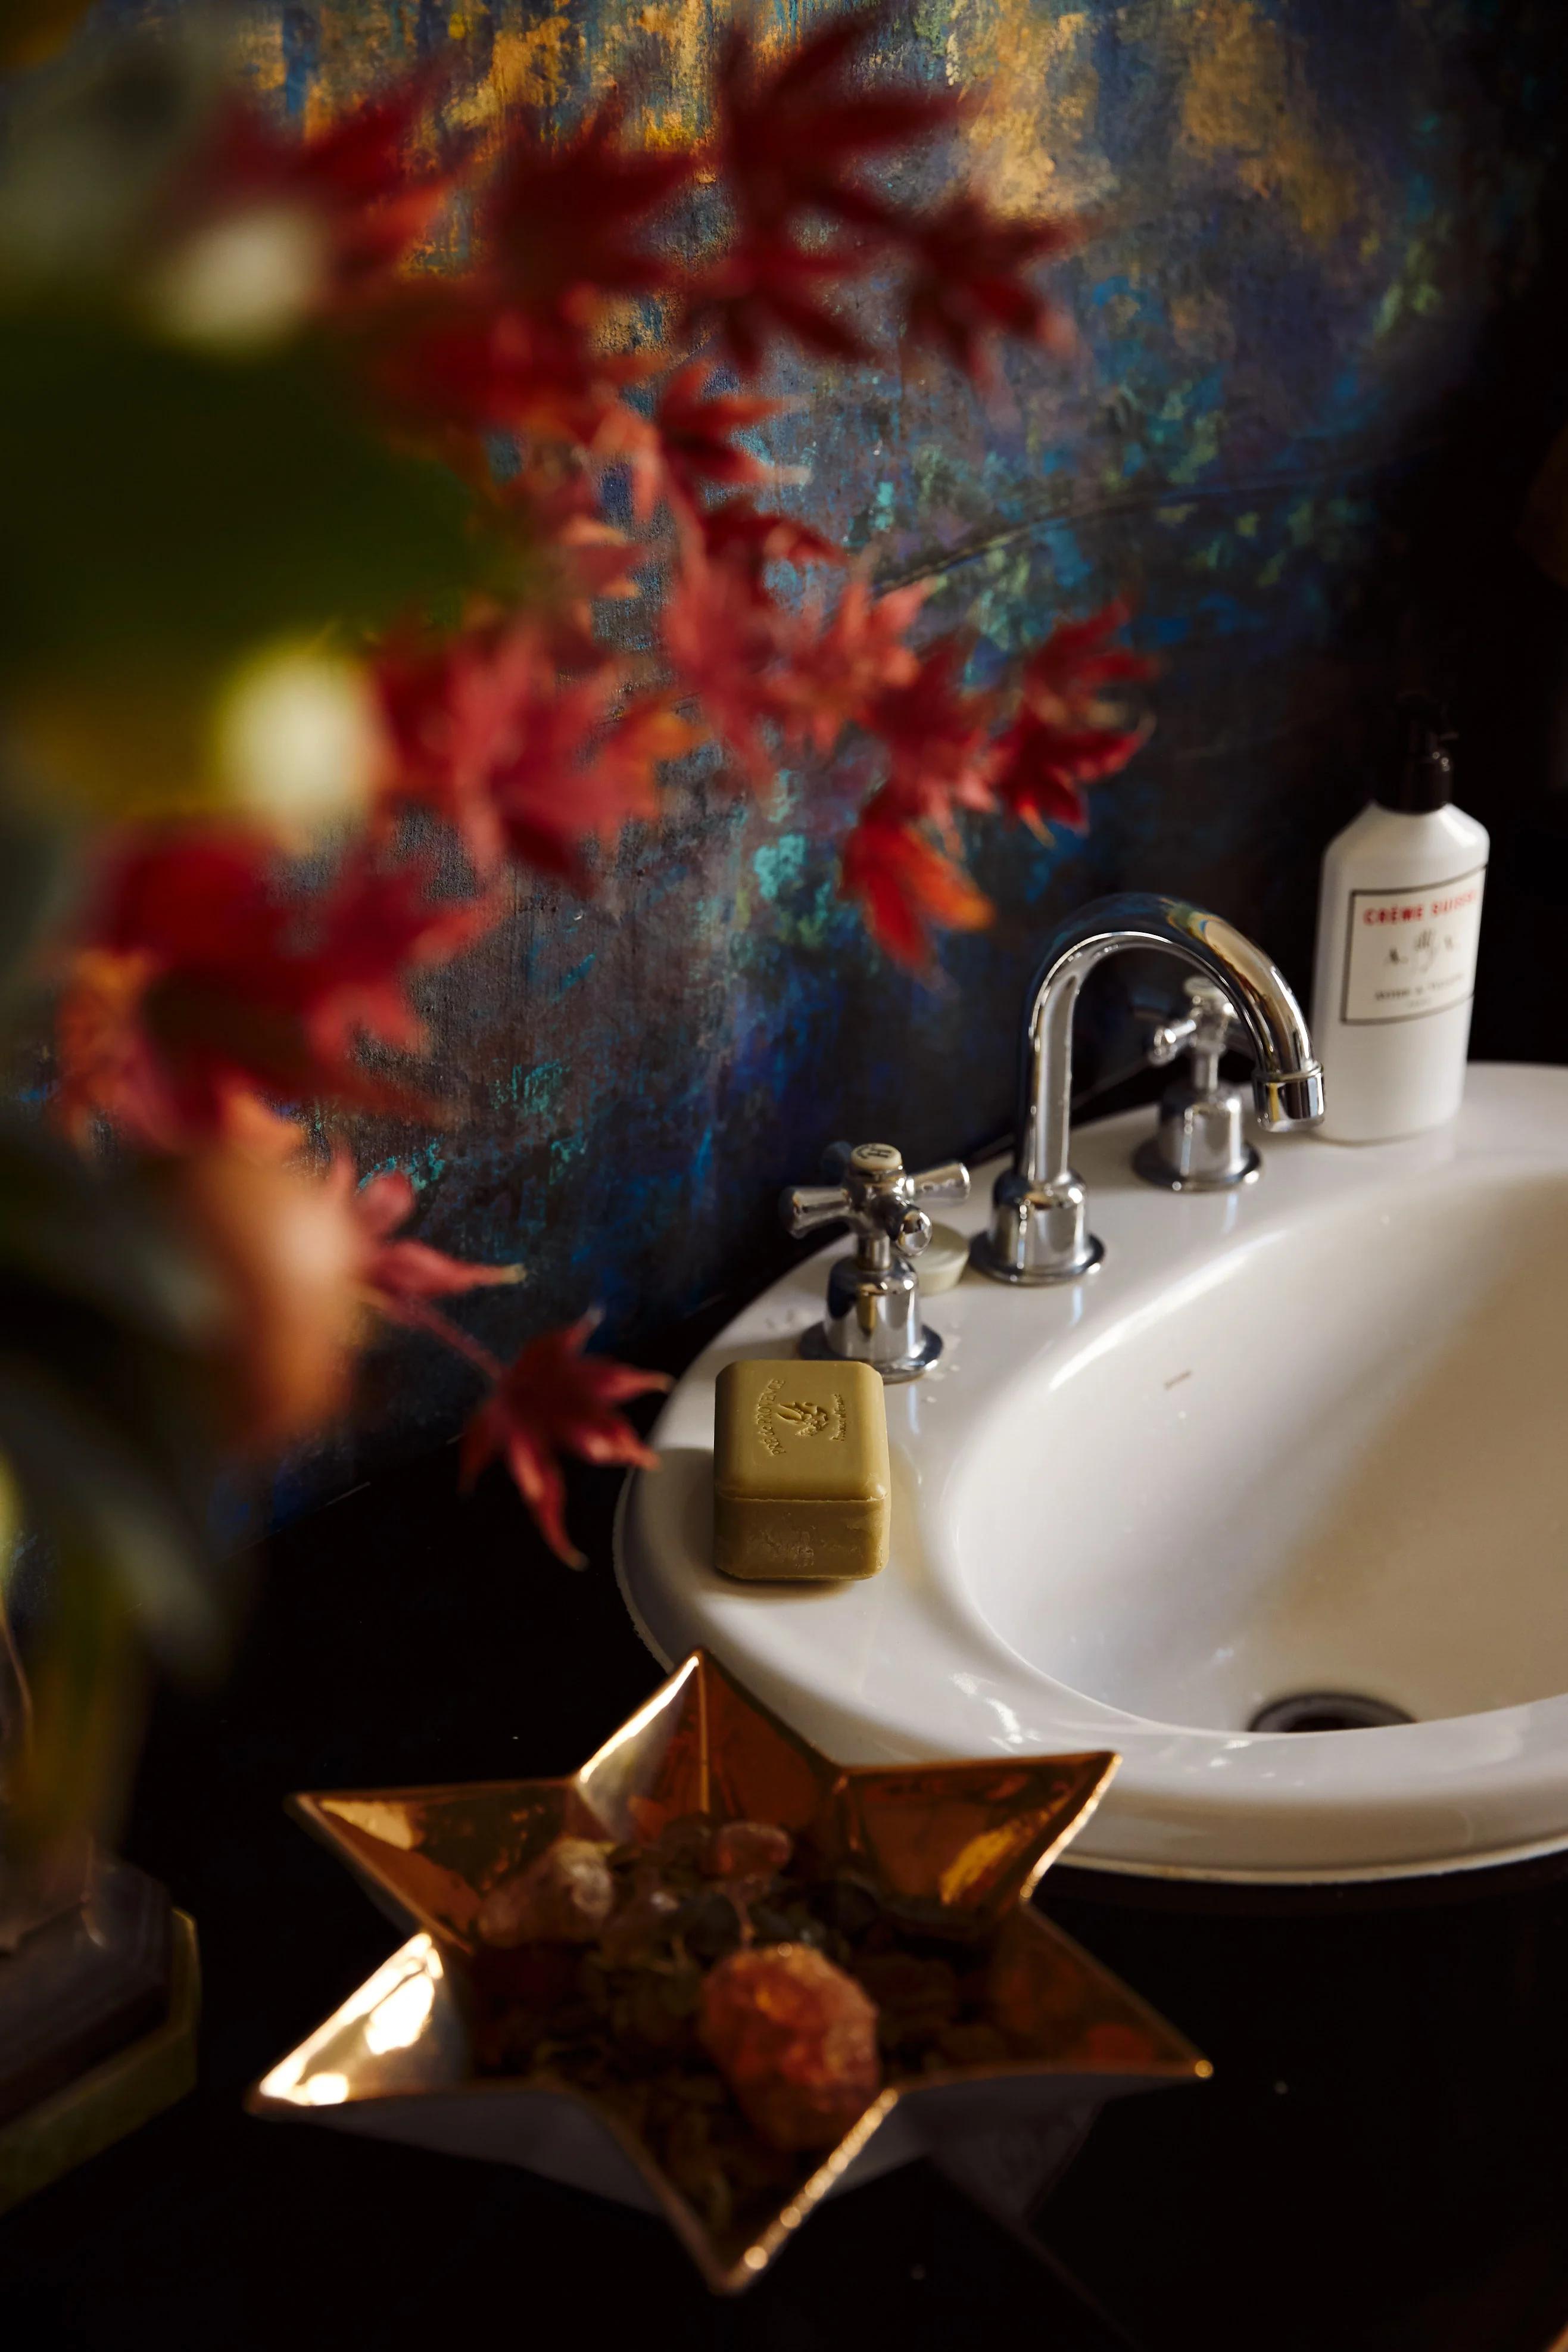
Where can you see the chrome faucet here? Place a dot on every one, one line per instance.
(1038, 1231)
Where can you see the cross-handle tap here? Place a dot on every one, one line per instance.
(1038, 1231)
(1206, 1030)
(1198, 1144)
(873, 1298)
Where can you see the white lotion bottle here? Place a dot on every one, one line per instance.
(1398, 925)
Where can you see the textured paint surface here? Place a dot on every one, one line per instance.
(1314, 224)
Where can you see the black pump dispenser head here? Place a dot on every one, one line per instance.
(1424, 777)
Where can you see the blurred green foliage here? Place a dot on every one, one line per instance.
(107, 1423)
(167, 508)
(34, 29)
(167, 511)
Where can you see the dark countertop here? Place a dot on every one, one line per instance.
(1379, 2163)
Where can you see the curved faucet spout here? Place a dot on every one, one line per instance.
(1038, 1231)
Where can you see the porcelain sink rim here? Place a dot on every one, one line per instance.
(1449, 1792)
(1437, 1866)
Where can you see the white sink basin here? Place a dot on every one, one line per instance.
(1308, 1437)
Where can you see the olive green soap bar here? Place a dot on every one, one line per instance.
(800, 1470)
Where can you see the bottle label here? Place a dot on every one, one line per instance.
(1411, 952)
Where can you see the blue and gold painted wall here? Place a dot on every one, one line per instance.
(1314, 353)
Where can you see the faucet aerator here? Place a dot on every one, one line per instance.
(1289, 1098)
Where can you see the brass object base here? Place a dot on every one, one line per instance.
(113, 2099)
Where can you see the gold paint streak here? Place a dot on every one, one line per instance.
(257, 53)
(776, 30)
(345, 78)
(1031, 81)
(1247, 101)
(360, 53)
(531, 67)
(678, 113)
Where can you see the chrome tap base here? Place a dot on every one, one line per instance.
(817, 1345)
(984, 1259)
(1150, 1163)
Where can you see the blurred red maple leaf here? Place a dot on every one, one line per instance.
(762, 672)
(968, 287)
(768, 289)
(554, 1400)
(792, 135)
(844, 667)
(399, 1279)
(644, 734)
(1043, 768)
(906, 886)
(695, 426)
(1060, 677)
(577, 779)
(938, 738)
(746, 541)
(565, 227)
(575, 556)
(731, 648)
(519, 757)
(452, 358)
(204, 983)
(1063, 736)
(361, 941)
(354, 179)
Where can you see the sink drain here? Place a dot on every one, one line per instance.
(1326, 1711)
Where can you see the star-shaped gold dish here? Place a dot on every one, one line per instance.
(972, 1839)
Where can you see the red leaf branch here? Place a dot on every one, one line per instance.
(203, 991)
(213, 982)
(552, 1399)
(555, 1399)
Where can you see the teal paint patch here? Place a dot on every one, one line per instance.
(565, 1153)
(579, 971)
(1074, 570)
(779, 864)
(423, 1166)
(540, 1089)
